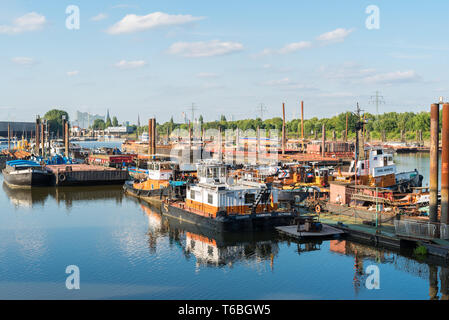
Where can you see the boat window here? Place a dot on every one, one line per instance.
(250, 198)
(210, 199)
(379, 152)
(192, 194)
(216, 172)
(363, 166)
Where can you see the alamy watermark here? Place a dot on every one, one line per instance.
(234, 147)
(73, 280)
(373, 20)
(72, 21)
(373, 279)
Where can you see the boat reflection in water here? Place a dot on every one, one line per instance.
(208, 247)
(29, 198)
(366, 255)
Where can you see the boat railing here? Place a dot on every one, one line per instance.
(421, 229)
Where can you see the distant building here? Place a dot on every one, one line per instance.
(18, 129)
(119, 130)
(85, 120)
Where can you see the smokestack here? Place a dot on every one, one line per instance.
(445, 165)
(434, 145)
(283, 128)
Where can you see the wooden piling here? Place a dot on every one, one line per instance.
(434, 145)
(445, 165)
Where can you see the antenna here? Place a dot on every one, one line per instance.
(377, 99)
(192, 109)
(261, 109)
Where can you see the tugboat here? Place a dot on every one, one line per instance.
(222, 204)
(161, 175)
(379, 170)
(26, 174)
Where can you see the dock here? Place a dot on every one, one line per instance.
(85, 174)
(326, 232)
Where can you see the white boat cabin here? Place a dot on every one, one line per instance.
(377, 164)
(158, 170)
(215, 193)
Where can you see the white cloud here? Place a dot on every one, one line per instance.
(287, 84)
(73, 73)
(130, 64)
(204, 49)
(99, 17)
(134, 23)
(29, 22)
(120, 6)
(336, 95)
(337, 35)
(289, 48)
(348, 71)
(209, 75)
(295, 46)
(24, 61)
(394, 77)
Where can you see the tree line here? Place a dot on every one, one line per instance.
(391, 123)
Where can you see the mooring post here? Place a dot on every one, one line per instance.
(150, 135)
(302, 126)
(36, 137)
(445, 166)
(323, 140)
(434, 145)
(9, 137)
(283, 128)
(42, 138)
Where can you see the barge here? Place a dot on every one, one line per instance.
(26, 174)
(84, 174)
(224, 205)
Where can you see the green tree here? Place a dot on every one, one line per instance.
(99, 124)
(114, 122)
(54, 120)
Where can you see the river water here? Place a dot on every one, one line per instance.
(126, 250)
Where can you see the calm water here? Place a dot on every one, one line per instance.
(126, 250)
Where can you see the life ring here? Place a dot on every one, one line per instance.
(61, 177)
(318, 208)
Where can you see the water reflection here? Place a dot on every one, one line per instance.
(224, 250)
(35, 197)
(210, 249)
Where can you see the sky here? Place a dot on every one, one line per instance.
(157, 58)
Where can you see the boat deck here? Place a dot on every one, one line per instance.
(326, 232)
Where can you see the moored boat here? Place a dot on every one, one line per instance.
(162, 175)
(26, 174)
(222, 204)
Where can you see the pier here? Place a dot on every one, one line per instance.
(83, 174)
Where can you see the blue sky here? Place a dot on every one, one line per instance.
(156, 58)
